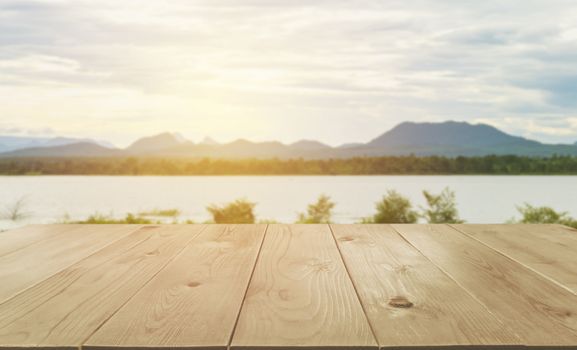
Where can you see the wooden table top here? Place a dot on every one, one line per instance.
(288, 286)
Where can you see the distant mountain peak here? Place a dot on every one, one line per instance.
(209, 141)
(308, 145)
(449, 134)
(350, 145)
(157, 142)
(178, 137)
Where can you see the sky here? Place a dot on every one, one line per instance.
(337, 71)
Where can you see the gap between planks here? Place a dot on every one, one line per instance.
(510, 255)
(446, 273)
(283, 257)
(528, 325)
(221, 258)
(63, 260)
(347, 269)
(143, 285)
(378, 245)
(36, 328)
(354, 286)
(247, 285)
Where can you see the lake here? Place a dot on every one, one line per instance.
(481, 199)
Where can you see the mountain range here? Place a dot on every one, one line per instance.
(448, 139)
(12, 143)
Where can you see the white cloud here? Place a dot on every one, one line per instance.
(276, 69)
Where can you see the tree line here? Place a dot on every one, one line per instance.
(405, 165)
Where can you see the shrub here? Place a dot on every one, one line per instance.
(442, 208)
(241, 211)
(319, 212)
(15, 211)
(393, 208)
(544, 215)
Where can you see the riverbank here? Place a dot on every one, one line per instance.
(479, 199)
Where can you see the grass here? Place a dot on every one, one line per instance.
(15, 211)
(107, 219)
(167, 213)
(393, 208)
(143, 217)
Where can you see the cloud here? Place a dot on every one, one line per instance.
(365, 65)
(11, 129)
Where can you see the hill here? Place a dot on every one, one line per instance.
(82, 149)
(449, 139)
(12, 143)
(457, 139)
(155, 143)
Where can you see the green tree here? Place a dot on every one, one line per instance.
(393, 208)
(319, 212)
(441, 208)
(241, 211)
(544, 215)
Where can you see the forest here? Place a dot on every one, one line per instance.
(406, 165)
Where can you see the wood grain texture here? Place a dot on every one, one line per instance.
(550, 250)
(194, 302)
(64, 310)
(540, 312)
(408, 300)
(182, 286)
(300, 295)
(15, 239)
(34, 263)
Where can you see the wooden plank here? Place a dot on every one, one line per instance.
(32, 264)
(300, 296)
(540, 312)
(64, 310)
(405, 295)
(194, 302)
(550, 250)
(18, 238)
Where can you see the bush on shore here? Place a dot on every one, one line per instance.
(393, 209)
(442, 208)
(241, 211)
(319, 212)
(544, 215)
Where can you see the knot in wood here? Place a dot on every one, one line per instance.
(400, 302)
(402, 268)
(153, 253)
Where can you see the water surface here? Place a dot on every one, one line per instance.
(481, 199)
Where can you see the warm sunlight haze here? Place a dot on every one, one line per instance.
(288, 174)
(334, 71)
